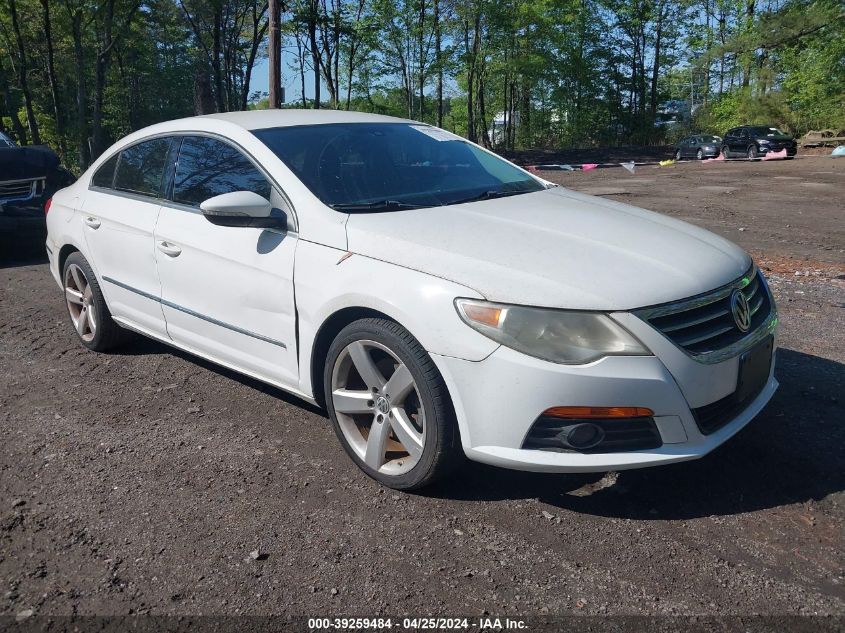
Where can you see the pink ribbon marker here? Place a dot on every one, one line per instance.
(775, 155)
(588, 166)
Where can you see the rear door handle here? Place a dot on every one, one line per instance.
(169, 249)
(94, 223)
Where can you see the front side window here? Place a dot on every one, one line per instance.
(104, 176)
(208, 167)
(357, 167)
(141, 167)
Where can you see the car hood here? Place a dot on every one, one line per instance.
(554, 248)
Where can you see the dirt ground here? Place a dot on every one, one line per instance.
(140, 482)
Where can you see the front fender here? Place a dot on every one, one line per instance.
(327, 280)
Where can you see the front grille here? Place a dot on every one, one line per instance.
(703, 325)
(629, 434)
(17, 189)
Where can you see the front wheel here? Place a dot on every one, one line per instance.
(752, 152)
(389, 405)
(700, 154)
(678, 155)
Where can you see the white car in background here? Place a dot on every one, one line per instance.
(436, 299)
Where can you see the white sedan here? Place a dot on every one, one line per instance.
(436, 299)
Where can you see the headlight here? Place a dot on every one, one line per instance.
(559, 336)
(763, 141)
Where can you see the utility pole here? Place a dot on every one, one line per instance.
(275, 54)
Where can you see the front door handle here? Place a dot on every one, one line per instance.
(169, 249)
(94, 223)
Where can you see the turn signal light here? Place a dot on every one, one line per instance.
(47, 206)
(488, 315)
(598, 413)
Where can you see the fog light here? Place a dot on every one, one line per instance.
(581, 436)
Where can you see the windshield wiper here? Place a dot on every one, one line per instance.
(379, 205)
(489, 195)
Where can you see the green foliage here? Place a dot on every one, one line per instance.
(514, 73)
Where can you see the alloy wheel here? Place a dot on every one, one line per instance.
(378, 407)
(80, 303)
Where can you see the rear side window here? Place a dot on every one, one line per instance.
(141, 167)
(105, 174)
(208, 167)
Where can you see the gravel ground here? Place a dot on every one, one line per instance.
(149, 482)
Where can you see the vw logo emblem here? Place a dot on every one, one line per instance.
(741, 310)
(382, 405)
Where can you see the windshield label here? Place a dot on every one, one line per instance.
(436, 133)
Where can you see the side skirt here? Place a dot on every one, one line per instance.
(292, 390)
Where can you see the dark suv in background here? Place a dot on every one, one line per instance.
(753, 141)
(28, 178)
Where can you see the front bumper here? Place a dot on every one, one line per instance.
(498, 399)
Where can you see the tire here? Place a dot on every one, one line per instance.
(87, 309)
(725, 152)
(700, 154)
(374, 425)
(752, 152)
(678, 155)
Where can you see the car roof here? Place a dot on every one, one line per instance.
(262, 119)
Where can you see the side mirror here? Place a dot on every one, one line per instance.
(243, 209)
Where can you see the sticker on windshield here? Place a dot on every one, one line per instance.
(436, 133)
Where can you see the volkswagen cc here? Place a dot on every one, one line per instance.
(437, 300)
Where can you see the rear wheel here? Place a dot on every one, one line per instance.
(87, 308)
(725, 151)
(389, 406)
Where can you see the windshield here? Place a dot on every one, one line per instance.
(763, 130)
(392, 166)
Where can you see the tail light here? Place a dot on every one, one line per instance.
(47, 206)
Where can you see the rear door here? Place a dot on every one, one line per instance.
(729, 140)
(119, 215)
(227, 292)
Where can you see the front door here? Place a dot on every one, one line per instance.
(119, 215)
(227, 292)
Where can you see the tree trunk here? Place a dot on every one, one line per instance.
(275, 55)
(101, 64)
(315, 51)
(22, 76)
(438, 62)
(215, 57)
(81, 92)
(203, 94)
(51, 78)
(300, 54)
(655, 69)
(749, 57)
(257, 36)
(470, 84)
